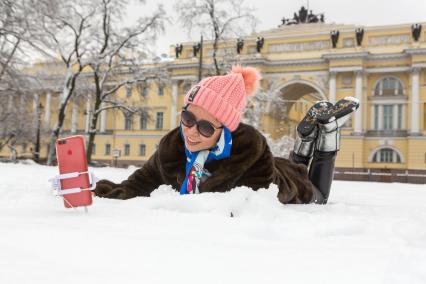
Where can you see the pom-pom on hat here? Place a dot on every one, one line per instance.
(225, 96)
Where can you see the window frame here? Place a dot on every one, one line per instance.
(157, 121)
(142, 153)
(126, 149)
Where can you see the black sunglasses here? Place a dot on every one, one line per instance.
(204, 127)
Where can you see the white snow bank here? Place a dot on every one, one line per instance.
(368, 233)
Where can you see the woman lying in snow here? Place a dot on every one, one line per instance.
(212, 151)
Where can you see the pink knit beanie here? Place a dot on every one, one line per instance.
(225, 96)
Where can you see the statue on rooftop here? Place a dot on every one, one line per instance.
(240, 45)
(303, 17)
(178, 49)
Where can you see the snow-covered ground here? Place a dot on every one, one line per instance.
(368, 233)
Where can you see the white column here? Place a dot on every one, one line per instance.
(103, 119)
(415, 105)
(36, 101)
(47, 109)
(332, 87)
(173, 107)
(358, 95)
(365, 100)
(74, 116)
(395, 117)
(373, 116)
(88, 110)
(380, 117)
(403, 117)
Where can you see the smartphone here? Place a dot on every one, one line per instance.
(71, 156)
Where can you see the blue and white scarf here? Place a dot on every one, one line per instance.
(195, 161)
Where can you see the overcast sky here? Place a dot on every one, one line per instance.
(270, 12)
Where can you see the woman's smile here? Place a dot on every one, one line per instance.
(191, 142)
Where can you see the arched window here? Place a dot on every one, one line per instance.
(388, 113)
(386, 155)
(388, 86)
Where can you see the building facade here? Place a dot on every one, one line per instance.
(383, 66)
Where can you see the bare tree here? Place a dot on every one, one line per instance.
(65, 33)
(17, 25)
(114, 53)
(219, 18)
(12, 28)
(18, 33)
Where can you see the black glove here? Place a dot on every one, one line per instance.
(107, 189)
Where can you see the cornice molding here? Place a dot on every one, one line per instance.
(352, 55)
(415, 51)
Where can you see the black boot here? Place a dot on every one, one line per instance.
(330, 122)
(307, 132)
(327, 144)
(321, 174)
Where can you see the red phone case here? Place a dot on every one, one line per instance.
(71, 157)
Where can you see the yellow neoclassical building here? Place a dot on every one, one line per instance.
(383, 66)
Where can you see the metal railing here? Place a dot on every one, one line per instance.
(381, 175)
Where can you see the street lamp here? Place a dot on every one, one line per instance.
(37, 145)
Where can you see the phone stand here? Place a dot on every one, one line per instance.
(56, 183)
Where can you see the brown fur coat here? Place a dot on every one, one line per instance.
(251, 164)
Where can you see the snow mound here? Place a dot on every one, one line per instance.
(368, 233)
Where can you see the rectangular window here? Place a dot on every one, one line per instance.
(159, 121)
(387, 117)
(160, 90)
(376, 117)
(93, 149)
(142, 149)
(143, 122)
(107, 149)
(143, 89)
(128, 119)
(126, 149)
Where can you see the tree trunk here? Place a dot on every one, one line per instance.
(67, 92)
(92, 134)
(54, 136)
(93, 124)
(216, 65)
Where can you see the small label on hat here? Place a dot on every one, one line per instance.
(193, 93)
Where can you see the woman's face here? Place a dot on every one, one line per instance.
(194, 141)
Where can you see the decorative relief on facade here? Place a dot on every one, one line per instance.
(251, 49)
(388, 40)
(321, 81)
(222, 51)
(347, 80)
(299, 46)
(348, 42)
